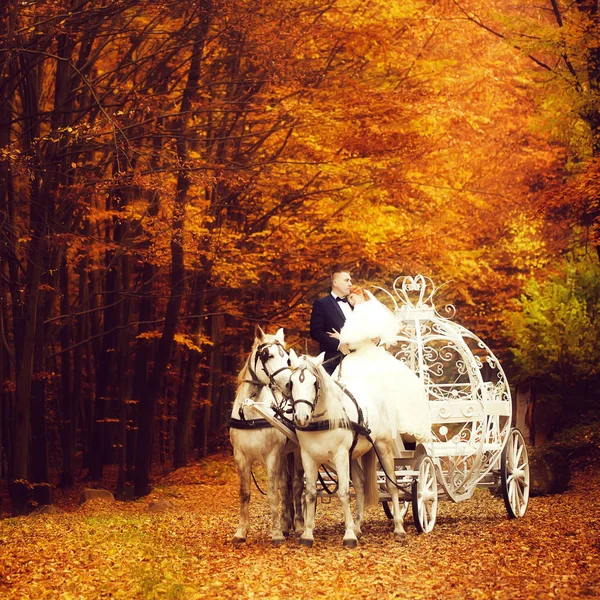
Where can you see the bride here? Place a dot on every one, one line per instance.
(370, 366)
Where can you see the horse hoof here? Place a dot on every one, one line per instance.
(238, 541)
(350, 543)
(400, 537)
(306, 543)
(276, 543)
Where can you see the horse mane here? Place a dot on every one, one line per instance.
(331, 395)
(245, 370)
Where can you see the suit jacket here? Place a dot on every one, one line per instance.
(326, 316)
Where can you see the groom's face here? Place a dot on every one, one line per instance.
(342, 282)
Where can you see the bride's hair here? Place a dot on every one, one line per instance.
(359, 291)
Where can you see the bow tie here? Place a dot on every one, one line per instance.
(341, 300)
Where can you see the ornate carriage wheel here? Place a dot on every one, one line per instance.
(514, 471)
(387, 509)
(424, 495)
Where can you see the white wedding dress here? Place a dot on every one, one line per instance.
(371, 369)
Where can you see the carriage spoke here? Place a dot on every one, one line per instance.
(512, 454)
(514, 498)
(511, 493)
(427, 514)
(517, 498)
(519, 501)
(518, 453)
(520, 496)
(514, 489)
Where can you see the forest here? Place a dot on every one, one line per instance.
(173, 173)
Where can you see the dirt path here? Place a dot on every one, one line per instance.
(121, 550)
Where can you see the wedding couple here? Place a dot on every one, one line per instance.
(353, 328)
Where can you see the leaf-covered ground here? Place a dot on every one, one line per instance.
(122, 550)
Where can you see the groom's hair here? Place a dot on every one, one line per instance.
(335, 274)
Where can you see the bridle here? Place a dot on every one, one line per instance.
(295, 401)
(263, 355)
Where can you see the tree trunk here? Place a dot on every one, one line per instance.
(188, 389)
(98, 445)
(81, 402)
(148, 402)
(68, 421)
(123, 374)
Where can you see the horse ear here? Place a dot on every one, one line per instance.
(259, 334)
(319, 360)
(294, 360)
(279, 336)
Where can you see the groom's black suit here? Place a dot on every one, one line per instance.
(325, 317)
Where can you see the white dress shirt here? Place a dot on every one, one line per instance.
(345, 306)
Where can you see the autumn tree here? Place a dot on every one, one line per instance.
(172, 174)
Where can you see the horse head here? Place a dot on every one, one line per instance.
(305, 386)
(269, 362)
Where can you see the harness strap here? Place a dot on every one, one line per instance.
(361, 429)
(255, 380)
(339, 424)
(361, 418)
(248, 423)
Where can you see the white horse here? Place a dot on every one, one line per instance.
(265, 373)
(330, 425)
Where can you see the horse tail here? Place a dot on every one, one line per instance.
(369, 464)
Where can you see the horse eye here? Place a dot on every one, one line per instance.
(289, 363)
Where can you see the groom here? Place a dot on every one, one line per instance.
(329, 314)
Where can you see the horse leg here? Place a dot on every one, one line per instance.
(274, 468)
(387, 463)
(358, 480)
(285, 488)
(342, 468)
(310, 499)
(297, 489)
(243, 468)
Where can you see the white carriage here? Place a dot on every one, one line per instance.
(473, 442)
